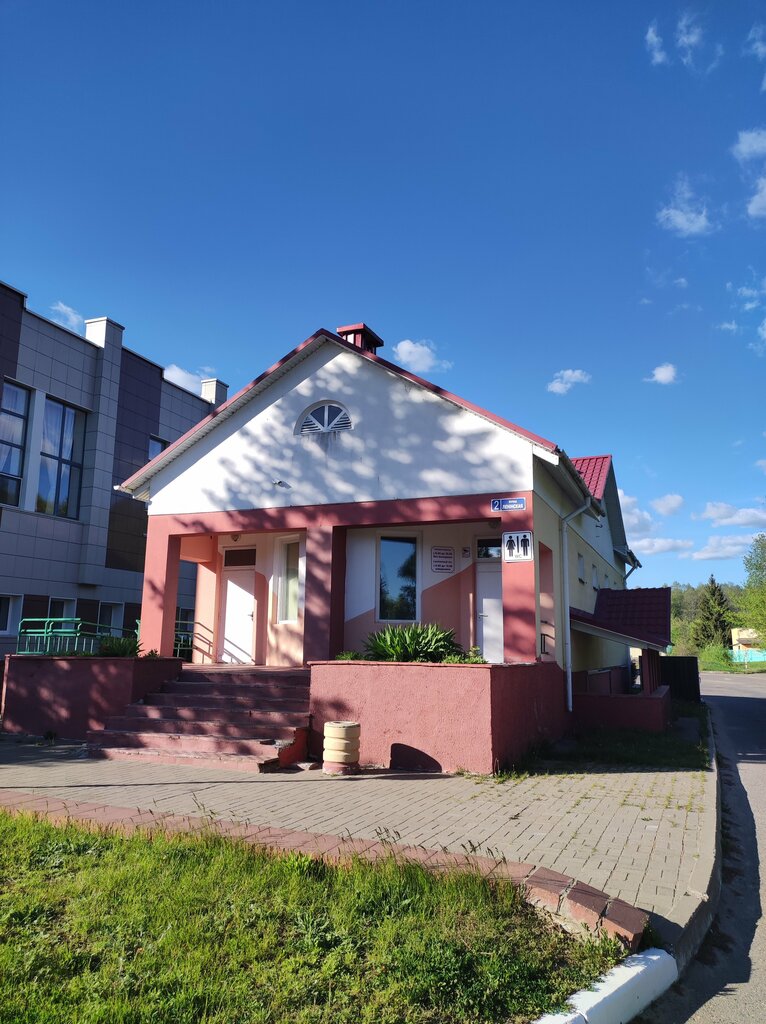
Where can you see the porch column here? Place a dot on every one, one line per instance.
(324, 605)
(519, 597)
(160, 594)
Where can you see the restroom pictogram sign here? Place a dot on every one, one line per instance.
(518, 547)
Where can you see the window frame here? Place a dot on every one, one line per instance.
(62, 462)
(22, 447)
(13, 614)
(282, 581)
(320, 429)
(417, 537)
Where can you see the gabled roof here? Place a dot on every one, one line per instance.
(594, 469)
(137, 484)
(638, 617)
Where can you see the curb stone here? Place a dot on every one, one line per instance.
(622, 993)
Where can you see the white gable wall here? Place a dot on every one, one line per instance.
(406, 442)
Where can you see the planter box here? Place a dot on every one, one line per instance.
(70, 696)
(441, 717)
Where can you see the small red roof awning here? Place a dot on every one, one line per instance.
(640, 618)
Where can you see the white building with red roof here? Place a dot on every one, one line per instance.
(338, 493)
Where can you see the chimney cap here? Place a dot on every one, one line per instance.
(360, 335)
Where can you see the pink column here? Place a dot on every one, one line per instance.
(324, 595)
(160, 595)
(519, 596)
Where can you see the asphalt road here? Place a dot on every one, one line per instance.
(727, 981)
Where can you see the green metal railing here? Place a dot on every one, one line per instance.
(75, 636)
(64, 636)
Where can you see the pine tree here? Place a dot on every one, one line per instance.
(754, 597)
(712, 626)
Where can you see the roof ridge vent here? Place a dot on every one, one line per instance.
(361, 336)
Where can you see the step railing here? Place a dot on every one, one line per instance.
(66, 635)
(191, 637)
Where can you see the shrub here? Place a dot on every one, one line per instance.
(348, 656)
(715, 657)
(119, 647)
(473, 656)
(415, 642)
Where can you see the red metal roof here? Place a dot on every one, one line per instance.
(640, 614)
(594, 469)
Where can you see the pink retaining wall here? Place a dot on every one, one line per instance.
(69, 696)
(440, 717)
(623, 711)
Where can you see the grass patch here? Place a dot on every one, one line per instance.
(131, 930)
(636, 748)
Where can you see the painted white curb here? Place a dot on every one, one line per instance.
(622, 993)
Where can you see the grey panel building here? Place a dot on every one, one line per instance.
(77, 416)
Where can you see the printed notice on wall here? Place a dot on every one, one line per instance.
(517, 547)
(442, 559)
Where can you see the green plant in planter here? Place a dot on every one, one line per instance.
(348, 656)
(414, 642)
(119, 647)
(472, 656)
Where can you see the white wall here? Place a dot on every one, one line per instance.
(405, 443)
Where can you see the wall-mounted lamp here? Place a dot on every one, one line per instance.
(235, 536)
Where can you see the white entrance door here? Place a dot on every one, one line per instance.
(238, 616)
(489, 601)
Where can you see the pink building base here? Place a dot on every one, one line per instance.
(480, 718)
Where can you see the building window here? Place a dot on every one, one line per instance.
(581, 568)
(58, 491)
(398, 579)
(5, 613)
(594, 577)
(61, 608)
(238, 558)
(323, 418)
(288, 582)
(488, 549)
(14, 409)
(155, 446)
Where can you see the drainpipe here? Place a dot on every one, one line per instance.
(567, 626)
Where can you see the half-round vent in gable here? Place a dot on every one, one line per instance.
(324, 418)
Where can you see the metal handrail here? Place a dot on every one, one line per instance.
(67, 634)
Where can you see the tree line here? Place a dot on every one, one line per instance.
(703, 616)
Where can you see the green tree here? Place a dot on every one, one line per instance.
(712, 625)
(754, 596)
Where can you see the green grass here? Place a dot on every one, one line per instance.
(636, 748)
(104, 929)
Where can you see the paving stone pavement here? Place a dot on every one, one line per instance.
(633, 834)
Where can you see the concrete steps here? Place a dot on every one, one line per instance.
(239, 719)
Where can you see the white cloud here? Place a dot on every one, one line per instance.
(686, 215)
(645, 302)
(757, 205)
(688, 37)
(67, 317)
(723, 514)
(731, 546)
(748, 306)
(760, 346)
(756, 42)
(728, 325)
(747, 293)
(565, 379)
(654, 48)
(750, 145)
(681, 282)
(638, 522)
(668, 504)
(761, 463)
(663, 374)
(185, 378)
(660, 545)
(419, 356)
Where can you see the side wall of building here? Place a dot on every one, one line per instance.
(90, 566)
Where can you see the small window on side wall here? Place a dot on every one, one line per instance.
(581, 568)
(324, 418)
(288, 582)
(398, 579)
(594, 577)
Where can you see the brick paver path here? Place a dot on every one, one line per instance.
(632, 834)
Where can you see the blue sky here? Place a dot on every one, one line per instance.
(556, 210)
